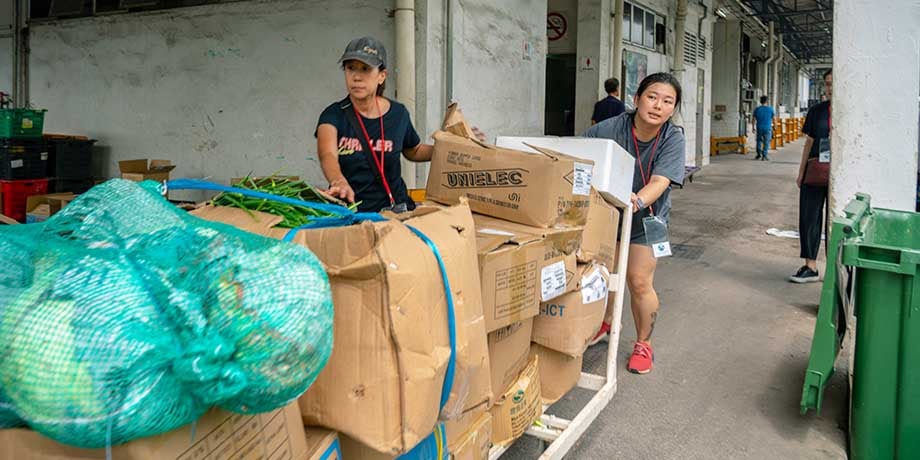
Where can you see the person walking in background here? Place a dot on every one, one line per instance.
(609, 106)
(763, 126)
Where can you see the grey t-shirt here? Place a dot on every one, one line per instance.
(668, 161)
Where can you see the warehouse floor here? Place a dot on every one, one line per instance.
(733, 337)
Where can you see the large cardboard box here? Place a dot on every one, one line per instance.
(599, 242)
(476, 442)
(322, 444)
(559, 372)
(518, 407)
(382, 385)
(521, 266)
(508, 350)
(141, 170)
(567, 324)
(219, 435)
(541, 190)
(40, 207)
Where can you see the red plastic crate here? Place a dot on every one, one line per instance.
(14, 193)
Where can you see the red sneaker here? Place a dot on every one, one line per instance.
(641, 360)
(603, 334)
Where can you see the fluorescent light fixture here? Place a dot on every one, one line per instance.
(721, 13)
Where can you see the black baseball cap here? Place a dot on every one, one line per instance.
(368, 50)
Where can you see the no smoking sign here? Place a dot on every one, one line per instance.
(556, 26)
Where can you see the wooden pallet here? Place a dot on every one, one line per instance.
(559, 433)
(737, 144)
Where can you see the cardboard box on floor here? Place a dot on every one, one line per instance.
(521, 266)
(541, 190)
(508, 350)
(568, 323)
(219, 435)
(382, 385)
(559, 372)
(40, 207)
(141, 170)
(518, 407)
(322, 444)
(599, 242)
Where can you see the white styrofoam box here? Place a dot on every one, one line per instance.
(613, 166)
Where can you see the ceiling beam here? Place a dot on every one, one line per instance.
(789, 13)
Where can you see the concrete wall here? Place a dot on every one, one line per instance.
(499, 69)
(593, 58)
(6, 46)
(726, 75)
(568, 43)
(228, 89)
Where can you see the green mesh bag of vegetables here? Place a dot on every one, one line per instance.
(123, 317)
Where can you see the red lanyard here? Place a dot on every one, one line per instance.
(651, 158)
(383, 143)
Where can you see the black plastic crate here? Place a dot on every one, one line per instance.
(76, 186)
(23, 159)
(70, 158)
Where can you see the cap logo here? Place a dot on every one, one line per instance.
(369, 50)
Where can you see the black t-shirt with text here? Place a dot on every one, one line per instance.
(817, 125)
(399, 134)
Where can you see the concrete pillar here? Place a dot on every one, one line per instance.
(405, 72)
(616, 43)
(593, 56)
(875, 113)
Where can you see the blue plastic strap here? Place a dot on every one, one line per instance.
(334, 448)
(451, 320)
(433, 447)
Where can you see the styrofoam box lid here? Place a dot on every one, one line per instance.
(613, 166)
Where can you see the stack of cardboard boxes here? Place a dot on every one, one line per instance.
(546, 240)
(526, 245)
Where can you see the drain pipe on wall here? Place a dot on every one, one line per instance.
(766, 64)
(405, 71)
(616, 45)
(20, 53)
(680, 26)
(777, 66)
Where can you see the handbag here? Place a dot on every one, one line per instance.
(816, 173)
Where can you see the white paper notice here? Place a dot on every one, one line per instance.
(593, 287)
(552, 281)
(581, 185)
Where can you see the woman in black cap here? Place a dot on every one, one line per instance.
(360, 138)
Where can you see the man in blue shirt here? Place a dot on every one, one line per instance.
(609, 106)
(763, 115)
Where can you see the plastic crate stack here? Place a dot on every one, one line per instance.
(23, 160)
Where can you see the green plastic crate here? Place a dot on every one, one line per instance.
(22, 123)
(878, 250)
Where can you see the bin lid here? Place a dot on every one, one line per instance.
(830, 328)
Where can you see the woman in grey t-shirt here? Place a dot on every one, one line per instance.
(658, 146)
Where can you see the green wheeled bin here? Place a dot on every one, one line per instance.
(876, 253)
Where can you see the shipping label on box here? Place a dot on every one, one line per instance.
(567, 323)
(219, 435)
(541, 190)
(518, 407)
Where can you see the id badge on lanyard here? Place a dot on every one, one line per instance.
(656, 229)
(824, 145)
